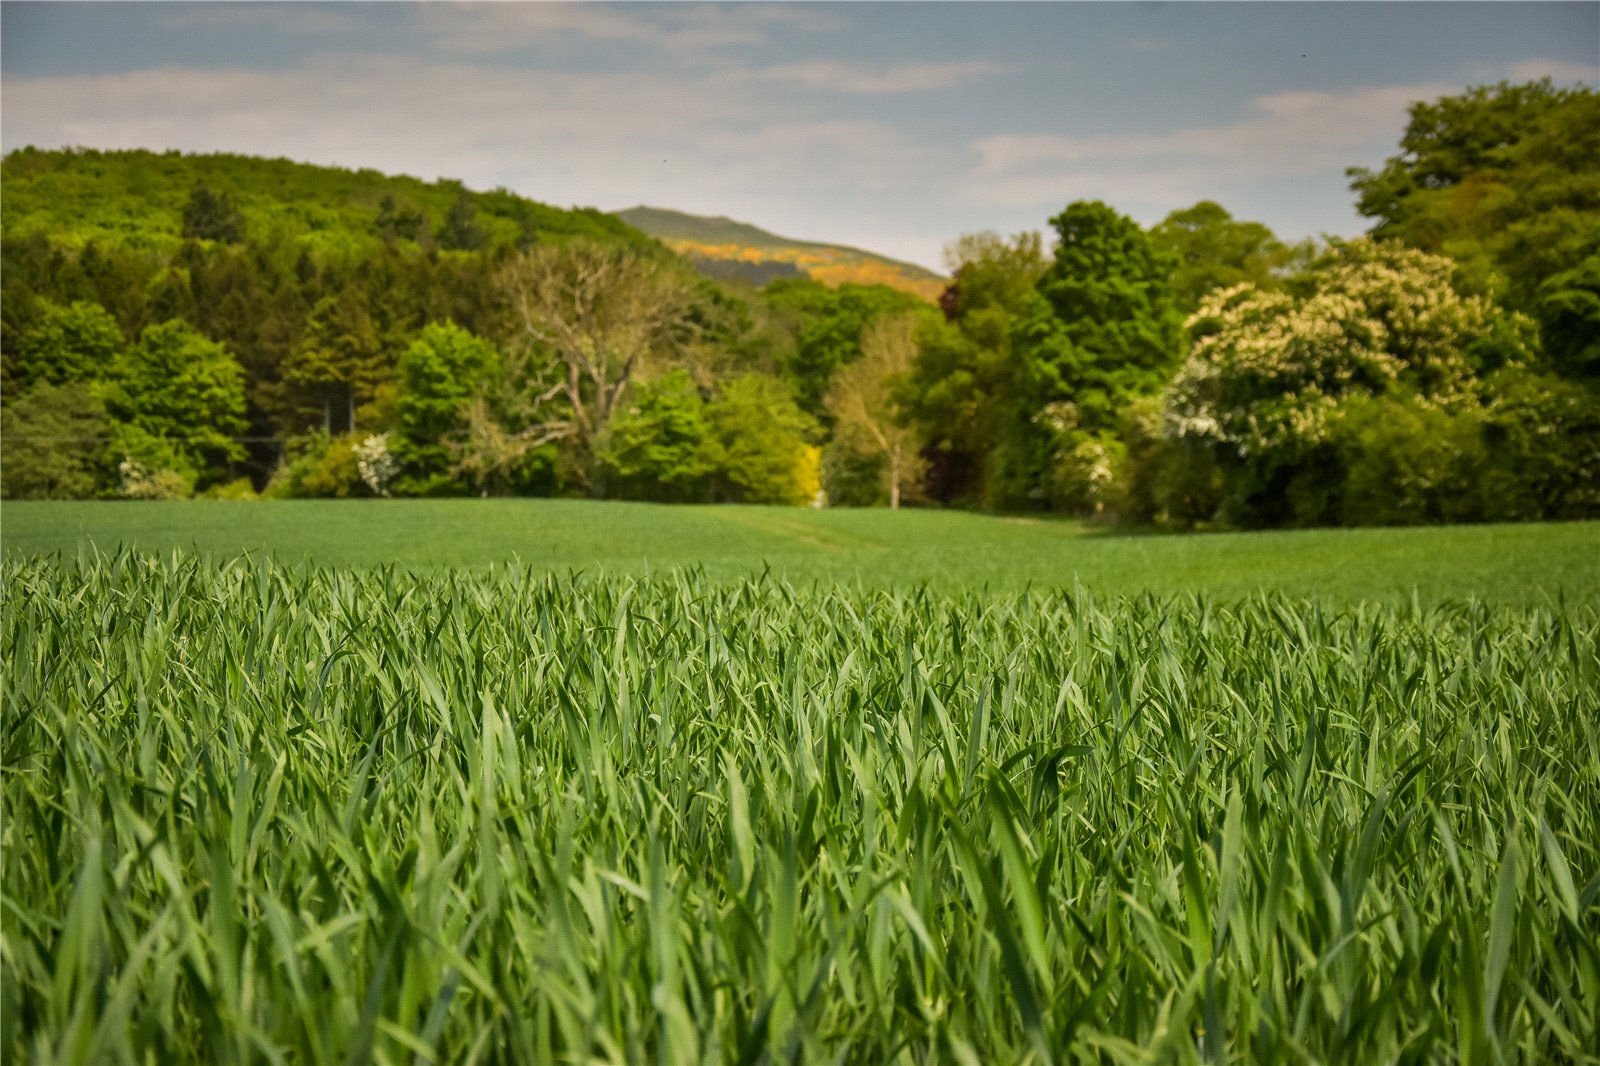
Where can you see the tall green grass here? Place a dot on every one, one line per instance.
(258, 813)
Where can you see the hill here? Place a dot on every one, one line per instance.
(136, 198)
(720, 246)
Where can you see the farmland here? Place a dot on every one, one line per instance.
(266, 808)
(1524, 564)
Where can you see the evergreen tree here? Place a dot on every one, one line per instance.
(212, 217)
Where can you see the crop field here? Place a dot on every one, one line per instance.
(268, 811)
(1527, 564)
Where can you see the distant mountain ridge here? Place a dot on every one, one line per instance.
(727, 248)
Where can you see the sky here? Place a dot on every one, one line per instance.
(895, 127)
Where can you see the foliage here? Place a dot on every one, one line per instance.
(320, 465)
(54, 439)
(1406, 463)
(764, 442)
(971, 391)
(1267, 369)
(1215, 251)
(461, 231)
(661, 446)
(1112, 331)
(828, 325)
(138, 197)
(212, 217)
(1569, 320)
(438, 374)
(376, 464)
(1033, 393)
(1504, 178)
(850, 478)
(606, 315)
(1542, 434)
(72, 343)
(339, 364)
(136, 481)
(177, 386)
(861, 400)
(235, 490)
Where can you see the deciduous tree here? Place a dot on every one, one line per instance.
(178, 387)
(602, 315)
(861, 400)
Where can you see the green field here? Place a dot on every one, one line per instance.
(257, 813)
(760, 786)
(948, 549)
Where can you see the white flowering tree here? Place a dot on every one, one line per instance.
(1268, 370)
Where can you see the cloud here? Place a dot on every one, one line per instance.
(1281, 135)
(832, 76)
(303, 18)
(600, 138)
(673, 27)
(1555, 69)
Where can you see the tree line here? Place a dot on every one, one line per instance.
(332, 333)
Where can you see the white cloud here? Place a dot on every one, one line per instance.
(607, 138)
(1556, 69)
(833, 76)
(291, 17)
(672, 27)
(1282, 135)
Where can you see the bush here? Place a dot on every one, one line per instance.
(139, 482)
(321, 466)
(149, 467)
(1406, 463)
(237, 489)
(1165, 481)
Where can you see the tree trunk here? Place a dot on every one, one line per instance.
(894, 479)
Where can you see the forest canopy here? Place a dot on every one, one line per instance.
(231, 326)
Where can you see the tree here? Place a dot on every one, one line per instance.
(1215, 251)
(178, 387)
(339, 364)
(1503, 178)
(991, 273)
(461, 231)
(440, 373)
(54, 438)
(828, 325)
(861, 400)
(1269, 372)
(660, 445)
(765, 441)
(396, 222)
(602, 315)
(77, 342)
(1569, 320)
(968, 388)
(1112, 334)
(212, 217)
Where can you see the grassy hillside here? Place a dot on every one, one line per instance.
(1510, 564)
(728, 241)
(137, 198)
